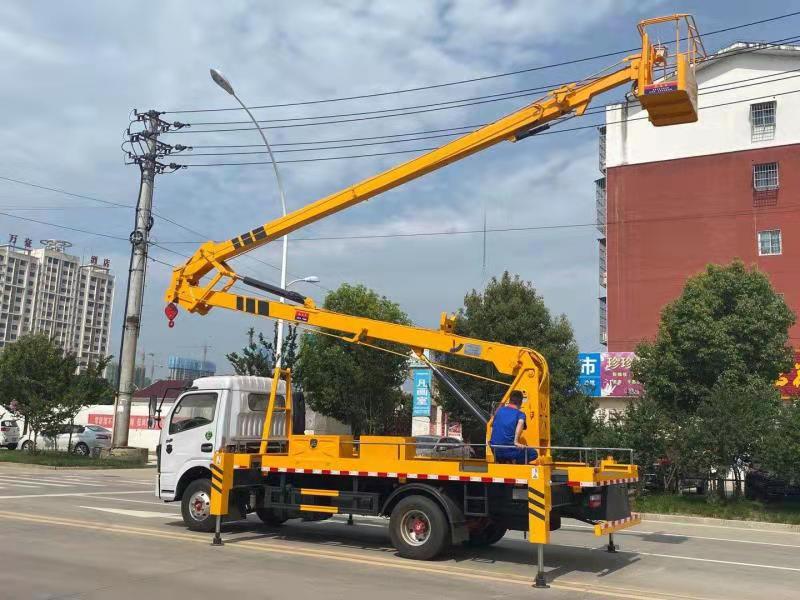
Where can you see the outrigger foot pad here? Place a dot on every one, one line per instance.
(540, 581)
(217, 541)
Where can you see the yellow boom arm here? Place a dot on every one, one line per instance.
(527, 367)
(668, 101)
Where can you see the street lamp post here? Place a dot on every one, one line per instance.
(222, 82)
(309, 279)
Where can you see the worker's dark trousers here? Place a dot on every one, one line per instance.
(517, 456)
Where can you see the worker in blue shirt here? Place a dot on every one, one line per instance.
(507, 427)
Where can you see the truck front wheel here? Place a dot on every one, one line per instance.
(196, 506)
(418, 528)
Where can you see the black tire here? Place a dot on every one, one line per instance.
(270, 516)
(196, 506)
(491, 534)
(81, 449)
(419, 528)
(12, 446)
(27, 446)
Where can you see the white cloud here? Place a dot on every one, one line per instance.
(79, 67)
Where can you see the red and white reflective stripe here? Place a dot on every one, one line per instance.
(618, 522)
(584, 484)
(505, 480)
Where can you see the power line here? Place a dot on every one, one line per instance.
(595, 110)
(485, 77)
(64, 192)
(416, 150)
(445, 105)
(369, 116)
(113, 204)
(481, 230)
(104, 235)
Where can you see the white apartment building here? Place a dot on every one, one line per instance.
(46, 290)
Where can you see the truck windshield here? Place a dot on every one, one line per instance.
(194, 410)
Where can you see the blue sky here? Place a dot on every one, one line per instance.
(72, 72)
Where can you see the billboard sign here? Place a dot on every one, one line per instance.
(589, 379)
(608, 374)
(616, 378)
(422, 393)
(789, 383)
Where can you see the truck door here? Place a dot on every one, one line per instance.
(189, 437)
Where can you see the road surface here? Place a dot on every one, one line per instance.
(102, 534)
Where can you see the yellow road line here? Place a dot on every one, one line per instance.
(501, 577)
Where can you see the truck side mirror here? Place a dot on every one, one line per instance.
(151, 411)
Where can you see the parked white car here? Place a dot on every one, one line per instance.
(9, 433)
(87, 440)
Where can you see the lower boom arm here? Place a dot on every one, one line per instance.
(527, 367)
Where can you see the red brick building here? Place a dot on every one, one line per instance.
(674, 199)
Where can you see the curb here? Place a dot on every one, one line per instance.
(14, 465)
(733, 523)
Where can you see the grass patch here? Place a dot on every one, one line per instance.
(63, 459)
(699, 506)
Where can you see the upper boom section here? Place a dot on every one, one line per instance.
(670, 98)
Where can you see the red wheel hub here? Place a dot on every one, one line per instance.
(198, 505)
(420, 526)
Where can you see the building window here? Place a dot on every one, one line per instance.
(601, 131)
(600, 204)
(603, 321)
(765, 176)
(762, 121)
(769, 242)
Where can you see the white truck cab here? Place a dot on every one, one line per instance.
(216, 412)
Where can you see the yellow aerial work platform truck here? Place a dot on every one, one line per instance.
(431, 502)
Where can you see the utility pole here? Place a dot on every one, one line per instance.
(144, 149)
(136, 273)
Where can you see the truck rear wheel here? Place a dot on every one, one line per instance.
(196, 506)
(270, 516)
(419, 528)
(490, 534)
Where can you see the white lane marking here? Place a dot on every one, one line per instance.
(61, 495)
(70, 481)
(130, 481)
(725, 527)
(174, 505)
(23, 482)
(708, 560)
(142, 514)
(634, 532)
(25, 485)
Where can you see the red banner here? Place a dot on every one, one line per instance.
(789, 383)
(107, 421)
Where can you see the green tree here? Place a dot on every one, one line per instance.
(719, 348)
(729, 322)
(86, 388)
(509, 310)
(258, 356)
(36, 375)
(658, 442)
(357, 385)
(779, 451)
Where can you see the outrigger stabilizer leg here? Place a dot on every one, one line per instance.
(540, 581)
(611, 547)
(217, 541)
